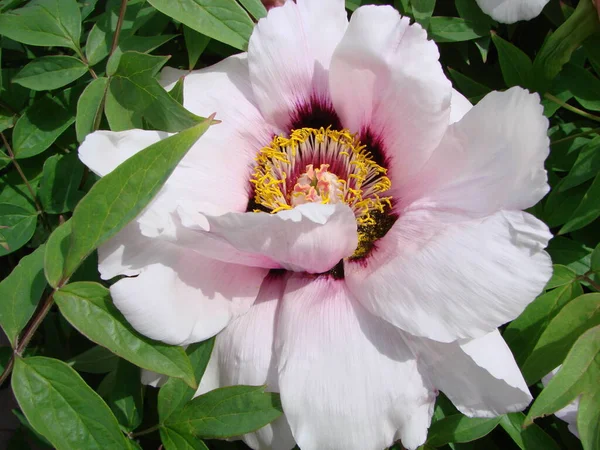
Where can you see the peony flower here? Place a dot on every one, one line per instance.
(353, 229)
(569, 412)
(511, 11)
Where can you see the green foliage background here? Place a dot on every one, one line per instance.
(71, 67)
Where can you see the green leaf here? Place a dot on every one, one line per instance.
(517, 68)
(62, 407)
(585, 167)
(59, 188)
(588, 418)
(532, 438)
(256, 8)
(223, 21)
(584, 86)
(524, 332)
(423, 10)
(570, 253)
(119, 118)
(579, 372)
(95, 360)
(133, 86)
(90, 107)
(177, 440)
(125, 398)
(174, 393)
(50, 72)
(100, 38)
(470, 88)
(37, 129)
(453, 29)
(5, 355)
(44, 23)
(557, 338)
(561, 276)
(89, 308)
(120, 196)
(459, 428)
(587, 211)
(470, 11)
(226, 412)
(557, 49)
(21, 292)
(57, 248)
(17, 226)
(195, 43)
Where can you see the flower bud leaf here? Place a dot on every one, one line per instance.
(226, 412)
(21, 292)
(62, 407)
(89, 308)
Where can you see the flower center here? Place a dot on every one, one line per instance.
(324, 166)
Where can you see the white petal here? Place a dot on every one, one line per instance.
(386, 82)
(459, 106)
(289, 55)
(511, 11)
(492, 159)
(153, 379)
(347, 379)
(177, 296)
(569, 412)
(437, 276)
(245, 356)
(479, 376)
(311, 237)
(103, 151)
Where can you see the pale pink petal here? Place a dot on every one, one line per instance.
(511, 11)
(568, 413)
(492, 159)
(175, 295)
(387, 84)
(347, 379)
(444, 277)
(245, 356)
(311, 237)
(289, 55)
(479, 376)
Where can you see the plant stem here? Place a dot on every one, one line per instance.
(115, 42)
(574, 136)
(591, 282)
(573, 109)
(30, 330)
(11, 155)
(146, 431)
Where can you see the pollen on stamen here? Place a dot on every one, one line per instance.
(325, 166)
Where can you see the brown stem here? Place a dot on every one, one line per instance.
(571, 108)
(11, 155)
(575, 136)
(115, 42)
(143, 432)
(30, 330)
(591, 282)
